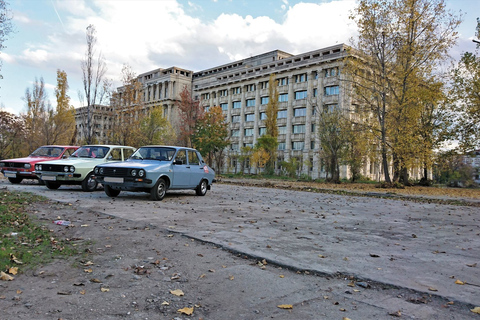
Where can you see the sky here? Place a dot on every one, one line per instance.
(191, 34)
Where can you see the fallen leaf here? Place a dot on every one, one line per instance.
(432, 289)
(345, 318)
(187, 311)
(321, 256)
(165, 303)
(83, 291)
(13, 270)
(285, 306)
(281, 276)
(95, 280)
(343, 309)
(88, 270)
(177, 292)
(5, 277)
(473, 265)
(231, 277)
(459, 282)
(351, 284)
(476, 310)
(19, 291)
(88, 263)
(395, 314)
(64, 293)
(104, 289)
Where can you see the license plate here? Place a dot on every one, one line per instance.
(49, 178)
(113, 179)
(10, 174)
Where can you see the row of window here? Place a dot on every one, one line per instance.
(296, 145)
(298, 128)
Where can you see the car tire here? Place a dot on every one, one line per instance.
(89, 184)
(52, 185)
(201, 189)
(15, 180)
(157, 193)
(41, 182)
(109, 191)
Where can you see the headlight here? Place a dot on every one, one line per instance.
(27, 165)
(72, 169)
(2, 164)
(141, 173)
(38, 167)
(95, 170)
(101, 170)
(65, 168)
(133, 172)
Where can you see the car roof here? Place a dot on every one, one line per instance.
(107, 145)
(163, 146)
(58, 146)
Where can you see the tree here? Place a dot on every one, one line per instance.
(466, 92)
(6, 26)
(400, 46)
(155, 129)
(64, 118)
(269, 141)
(190, 113)
(211, 136)
(12, 135)
(94, 85)
(127, 110)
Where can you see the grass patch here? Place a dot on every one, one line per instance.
(24, 241)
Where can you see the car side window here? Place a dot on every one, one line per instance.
(193, 158)
(127, 153)
(181, 157)
(68, 153)
(115, 155)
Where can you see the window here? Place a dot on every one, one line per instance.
(237, 104)
(300, 95)
(251, 87)
(116, 154)
(205, 96)
(312, 147)
(236, 90)
(251, 103)
(250, 145)
(283, 97)
(250, 117)
(300, 112)
(235, 147)
(223, 93)
(330, 107)
(282, 130)
(248, 132)
(281, 114)
(283, 81)
(264, 84)
(300, 128)
(193, 158)
(298, 145)
(181, 157)
(331, 72)
(315, 92)
(301, 78)
(235, 118)
(262, 131)
(332, 90)
(281, 146)
(313, 127)
(263, 115)
(264, 100)
(235, 133)
(224, 106)
(315, 74)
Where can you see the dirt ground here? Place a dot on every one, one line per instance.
(138, 270)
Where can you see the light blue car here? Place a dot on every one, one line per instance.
(156, 169)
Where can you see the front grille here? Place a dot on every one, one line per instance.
(115, 172)
(14, 165)
(53, 167)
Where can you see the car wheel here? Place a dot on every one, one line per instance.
(158, 191)
(202, 188)
(41, 182)
(109, 191)
(15, 180)
(52, 185)
(89, 184)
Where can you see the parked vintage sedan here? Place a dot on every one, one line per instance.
(24, 168)
(156, 169)
(78, 168)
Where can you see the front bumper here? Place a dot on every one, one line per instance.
(125, 182)
(19, 174)
(60, 176)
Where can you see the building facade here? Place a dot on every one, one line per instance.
(307, 83)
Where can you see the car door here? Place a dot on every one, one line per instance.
(181, 170)
(196, 168)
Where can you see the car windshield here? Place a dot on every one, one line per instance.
(91, 152)
(154, 153)
(47, 152)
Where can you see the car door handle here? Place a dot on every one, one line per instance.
(187, 167)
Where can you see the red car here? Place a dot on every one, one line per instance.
(24, 168)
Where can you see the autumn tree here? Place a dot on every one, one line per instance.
(95, 86)
(400, 46)
(190, 113)
(269, 141)
(211, 136)
(64, 118)
(127, 110)
(155, 129)
(6, 26)
(465, 92)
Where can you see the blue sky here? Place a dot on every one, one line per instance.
(191, 34)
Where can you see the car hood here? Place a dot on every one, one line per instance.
(138, 164)
(77, 162)
(29, 159)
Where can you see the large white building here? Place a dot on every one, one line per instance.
(307, 82)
